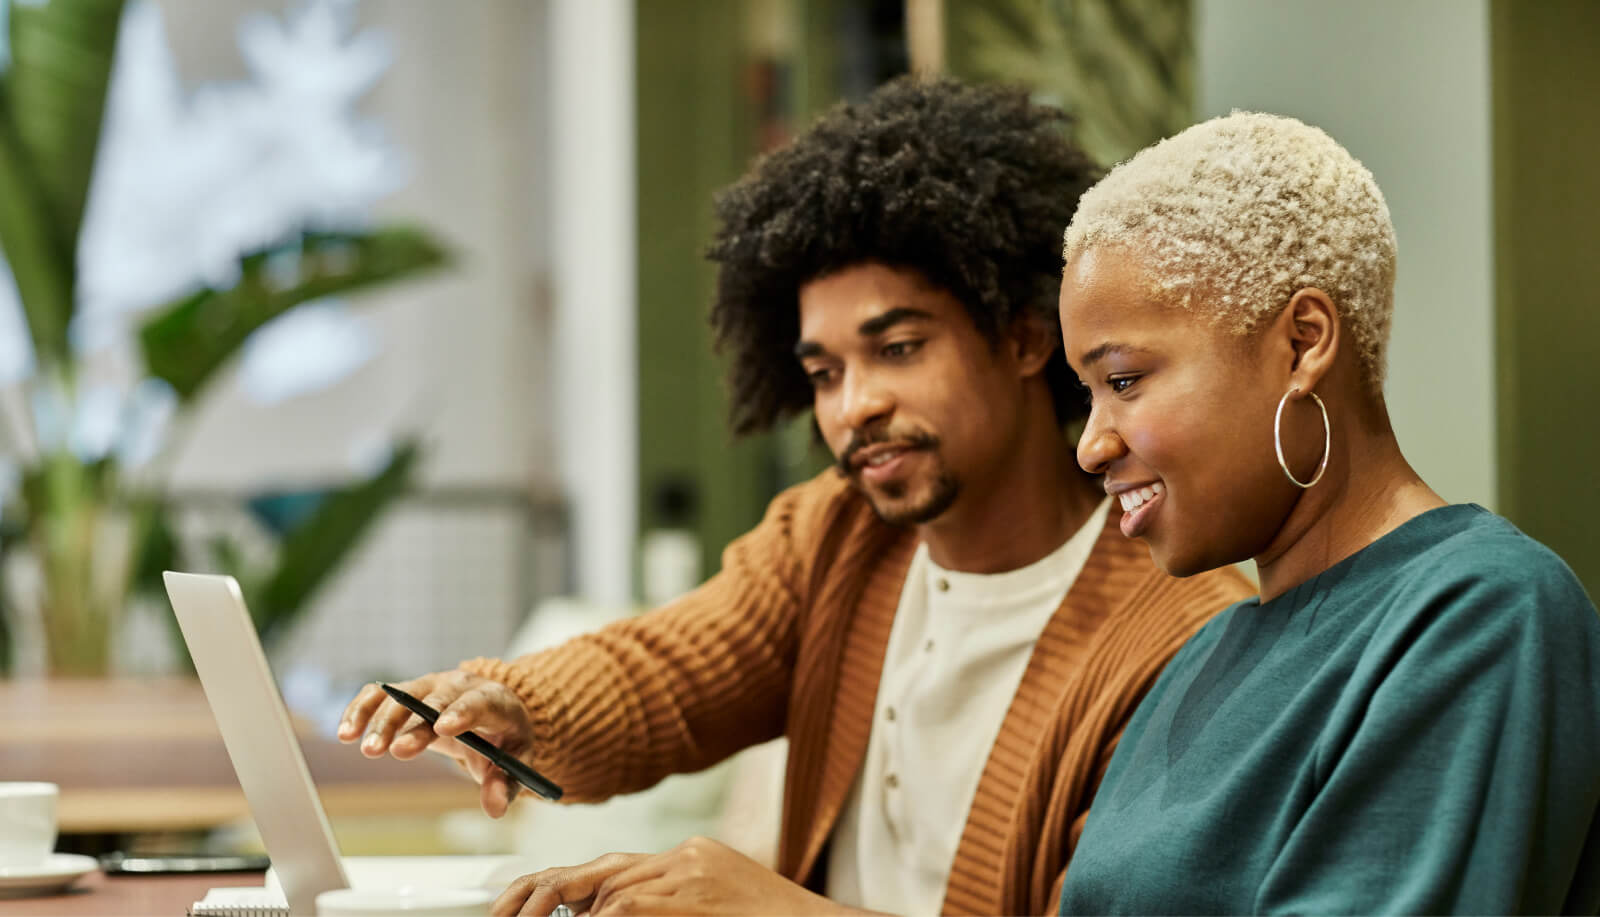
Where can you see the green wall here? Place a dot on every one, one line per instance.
(696, 134)
(693, 138)
(1546, 98)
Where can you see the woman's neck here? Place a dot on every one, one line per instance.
(1370, 492)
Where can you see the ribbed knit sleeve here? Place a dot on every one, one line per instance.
(682, 687)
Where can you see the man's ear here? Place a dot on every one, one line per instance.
(1310, 332)
(1033, 342)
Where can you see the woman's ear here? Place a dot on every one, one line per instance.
(1310, 327)
(1033, 342)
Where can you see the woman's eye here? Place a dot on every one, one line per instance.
(901, 349)
(1119, 384)
(819, 377)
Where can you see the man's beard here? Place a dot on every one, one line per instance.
(945, 490)
(946, 487)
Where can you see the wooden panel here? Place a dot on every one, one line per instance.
(136, 755)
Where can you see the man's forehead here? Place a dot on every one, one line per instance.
(870, 308)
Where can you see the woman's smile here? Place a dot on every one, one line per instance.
(1140, 503)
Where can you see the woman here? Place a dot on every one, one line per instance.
(1408, 718)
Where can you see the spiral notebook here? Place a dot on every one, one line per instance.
(272, 770)
(387, 872)
(240, 902)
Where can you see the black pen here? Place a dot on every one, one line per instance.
(518, 771)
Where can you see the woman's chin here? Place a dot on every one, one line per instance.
(1174, 561)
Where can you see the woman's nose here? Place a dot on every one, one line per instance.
(1099, 446)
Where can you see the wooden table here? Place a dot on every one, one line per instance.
(114, 896)
(144, 755)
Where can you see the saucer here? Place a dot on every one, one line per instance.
(52, 874)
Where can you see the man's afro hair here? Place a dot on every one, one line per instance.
(970, 186)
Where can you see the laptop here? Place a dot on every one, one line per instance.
(271, 768)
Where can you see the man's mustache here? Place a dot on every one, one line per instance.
(911, 440)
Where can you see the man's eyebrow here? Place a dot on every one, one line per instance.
(872, 327)
(878, 324)
(1104, 350)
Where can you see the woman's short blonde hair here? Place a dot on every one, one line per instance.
(1237, 214)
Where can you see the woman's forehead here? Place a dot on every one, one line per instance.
(1105, 286)
(1109, 308)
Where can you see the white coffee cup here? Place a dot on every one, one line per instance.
(410, 900)
(27, 823)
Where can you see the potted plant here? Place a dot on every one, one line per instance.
(84, 527)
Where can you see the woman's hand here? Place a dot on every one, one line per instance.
(465, 702)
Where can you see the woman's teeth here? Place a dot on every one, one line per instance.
(1133, 499)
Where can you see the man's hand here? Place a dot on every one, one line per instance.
(465, 702)
(574, 886)
(699, 876)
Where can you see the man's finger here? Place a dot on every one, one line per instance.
(655, 897)
(413, 741)
(381, 728)
(574, 886)
(475, 709)
(390, 719)
(359, 712)
(539, 894)
(476, 765)
(531, 894)
(415, 736)
(497, 792)
(626, 881)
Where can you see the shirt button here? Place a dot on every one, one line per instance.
(928, 647)
(943, 584)
(892, 781)
(889, 714)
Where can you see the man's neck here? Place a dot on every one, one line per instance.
(1016, 518)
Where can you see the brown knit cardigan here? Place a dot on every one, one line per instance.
(789, 638)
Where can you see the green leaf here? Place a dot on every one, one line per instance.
(40, 267)
(188, 341)
(228, 557)
(316, 547)
(52, 99)
(55, 89)
(156, 547)
(1122, 68)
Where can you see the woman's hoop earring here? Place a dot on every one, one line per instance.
(1327, 439)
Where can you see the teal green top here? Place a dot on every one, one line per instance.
(1416, 729)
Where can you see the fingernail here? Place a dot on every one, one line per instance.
(372, 741)
(449, 720)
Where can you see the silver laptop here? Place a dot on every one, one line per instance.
(260, 739)
(266, 757)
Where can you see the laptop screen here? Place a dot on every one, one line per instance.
(258, 734)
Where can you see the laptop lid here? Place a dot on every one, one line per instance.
(256, 729)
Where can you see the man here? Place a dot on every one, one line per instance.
(945, 626)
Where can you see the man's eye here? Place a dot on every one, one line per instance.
(819, 377)
(901, 349)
